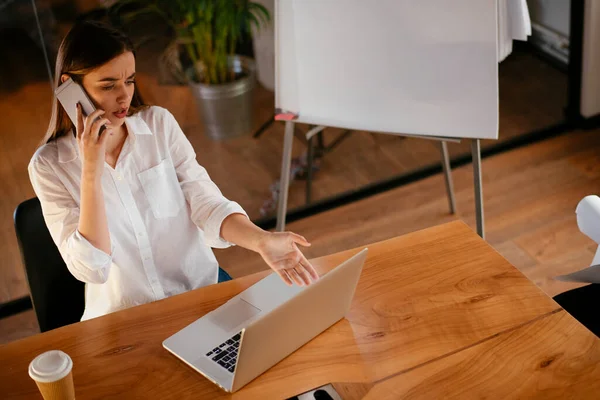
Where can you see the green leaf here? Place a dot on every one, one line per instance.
(261, 11)
(253, 20)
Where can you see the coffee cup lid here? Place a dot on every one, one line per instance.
(50, 366)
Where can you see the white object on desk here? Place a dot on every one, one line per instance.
(588, 221)
(274, 321)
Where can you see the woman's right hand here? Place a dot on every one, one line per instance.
(92, 146)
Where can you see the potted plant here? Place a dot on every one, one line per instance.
(207, 31)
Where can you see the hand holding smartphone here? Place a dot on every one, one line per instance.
(69, 93)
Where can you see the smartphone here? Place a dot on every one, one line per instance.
(69, 93)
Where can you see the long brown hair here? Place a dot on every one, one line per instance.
(87, 46)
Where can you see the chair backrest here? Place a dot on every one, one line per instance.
(58, 298)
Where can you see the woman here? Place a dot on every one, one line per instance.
(131, 211)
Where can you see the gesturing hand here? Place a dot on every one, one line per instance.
(281, 253)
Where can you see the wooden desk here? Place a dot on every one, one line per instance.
(437, 313)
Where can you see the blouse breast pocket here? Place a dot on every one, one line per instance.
(162, 189)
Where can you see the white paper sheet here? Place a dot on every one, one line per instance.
(518, 19)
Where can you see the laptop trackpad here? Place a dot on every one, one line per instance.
(232, 314)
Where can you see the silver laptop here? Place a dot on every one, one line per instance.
(265, 323)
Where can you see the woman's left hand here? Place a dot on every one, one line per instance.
(281, 253)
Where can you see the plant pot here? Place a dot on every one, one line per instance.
(226, 108)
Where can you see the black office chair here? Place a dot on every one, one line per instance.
(58, 298)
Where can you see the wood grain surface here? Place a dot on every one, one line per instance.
(423, 299)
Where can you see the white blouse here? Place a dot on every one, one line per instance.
(163, 213)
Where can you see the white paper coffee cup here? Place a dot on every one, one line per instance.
(52, 372)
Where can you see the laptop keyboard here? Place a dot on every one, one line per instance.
(226, 353)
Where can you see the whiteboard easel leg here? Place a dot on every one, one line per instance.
(309, 169)
(284, 182)
(476, 154)
(448, 176)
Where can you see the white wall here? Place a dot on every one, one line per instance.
(590, 71)
(552, 14)
(264, 48)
